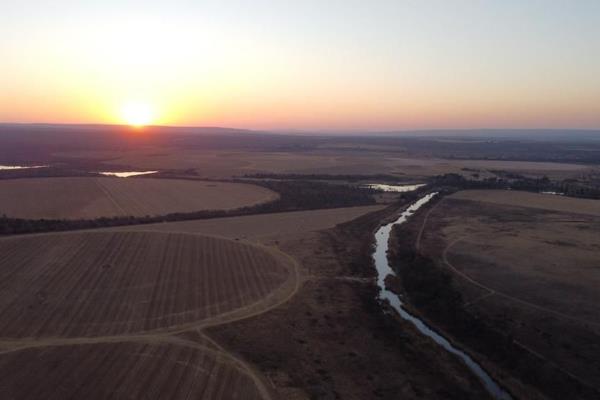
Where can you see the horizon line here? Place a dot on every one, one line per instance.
(309, 130)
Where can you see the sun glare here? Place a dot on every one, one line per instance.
(137, 114)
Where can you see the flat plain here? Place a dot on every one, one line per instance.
(263, 227)
(143, 370)
(532, 200)
(529, 264)
(228, 163)
(116, 315)
(98, 284)
(74, 198)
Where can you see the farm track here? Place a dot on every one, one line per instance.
(171, 335)
(489, 290)
(494, 292)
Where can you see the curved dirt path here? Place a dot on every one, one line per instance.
(490, 291)
(278, 297)
(495, 292)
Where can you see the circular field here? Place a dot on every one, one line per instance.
(110, 283)
(123, 371)
(88, 198)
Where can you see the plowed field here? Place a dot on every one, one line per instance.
(111, 283)
(75, 198)
(123, 371)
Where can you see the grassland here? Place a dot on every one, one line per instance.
(75, 198)
(526, 265)
(228, 163)
(263, 227)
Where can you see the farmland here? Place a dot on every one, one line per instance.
(280, 301)
(264, 227)
(95, 284)
(524, 264)
(228, 163)
(74, 198)
(104, 314)
(532, 200)
(141, 370)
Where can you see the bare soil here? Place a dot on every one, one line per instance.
(75, 198)
(527, 265)
(143, 370)
(569, 205)
(333, 339)
(228, 163)
(99, 284)
(263, 227)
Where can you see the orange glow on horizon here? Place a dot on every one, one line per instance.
(137, 114)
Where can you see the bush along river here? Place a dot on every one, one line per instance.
(380, 258)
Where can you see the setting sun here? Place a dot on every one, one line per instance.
(137, 114)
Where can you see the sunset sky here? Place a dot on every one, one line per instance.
(310, 64)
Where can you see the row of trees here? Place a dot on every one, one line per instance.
(568, 187)
(294, 195)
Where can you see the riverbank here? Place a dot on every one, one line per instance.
(432, 291)
(334, 340)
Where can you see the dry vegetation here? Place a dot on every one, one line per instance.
(263, 227)
(228, 163)
(74, 198)
(95, 284)
(122, 371)
(532, 200)
(101, 315)
(333, 340)
(528, 265)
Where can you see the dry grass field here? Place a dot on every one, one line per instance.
(227, 163)
(73, 198)
(111, 283)
(123, 371)
(263, 227)
(529, 264)
(122, 315)
(532, 200)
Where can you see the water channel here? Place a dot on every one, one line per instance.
(383, 270)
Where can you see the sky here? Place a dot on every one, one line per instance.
(303, 65)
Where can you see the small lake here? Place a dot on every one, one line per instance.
(394, 188)
(553, 193)
(127, 174)
(384, 269)
(13, 167)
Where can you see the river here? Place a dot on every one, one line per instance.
(383, 270)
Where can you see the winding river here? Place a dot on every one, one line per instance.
(383, 270)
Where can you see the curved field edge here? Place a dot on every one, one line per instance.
(90, 198)
(141, 369)
(281, 283)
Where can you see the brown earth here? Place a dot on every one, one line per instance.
(532, 200)
(123, 315)
(321, 335)
(74, 198)
(528, 265)
(332, 339)
(143, 370)
(262, 227)
(101, 283)
(228, 163)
